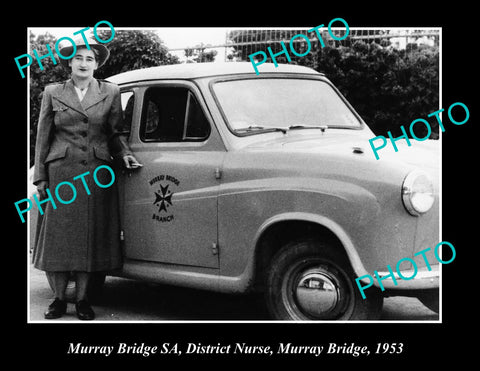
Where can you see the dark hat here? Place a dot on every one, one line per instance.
(66, 50)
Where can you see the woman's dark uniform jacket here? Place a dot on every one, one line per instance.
(74, 138)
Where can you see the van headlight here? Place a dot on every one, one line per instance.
(417, 193)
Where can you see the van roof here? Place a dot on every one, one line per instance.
(196, 70)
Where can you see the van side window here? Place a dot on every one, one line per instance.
(172, 114)
(127, 101)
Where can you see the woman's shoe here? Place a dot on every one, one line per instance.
(56, 309)
(84, 310)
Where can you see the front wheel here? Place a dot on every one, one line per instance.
(313, 280)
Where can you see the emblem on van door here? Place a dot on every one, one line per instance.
(163, 196)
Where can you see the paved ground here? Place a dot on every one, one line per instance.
(128, 300)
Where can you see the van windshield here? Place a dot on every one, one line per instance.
(258, 105)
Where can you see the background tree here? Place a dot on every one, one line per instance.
(128, 50)
(387, 86)
(199, 55)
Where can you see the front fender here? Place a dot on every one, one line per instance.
(323, 221)
(246, 209)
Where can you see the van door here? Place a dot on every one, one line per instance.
(170, 204)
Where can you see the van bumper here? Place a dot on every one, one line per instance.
(423, 279)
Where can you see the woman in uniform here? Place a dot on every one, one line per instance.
(79, 129)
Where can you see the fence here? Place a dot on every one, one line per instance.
(240, 43)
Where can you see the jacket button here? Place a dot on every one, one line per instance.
(85, 120)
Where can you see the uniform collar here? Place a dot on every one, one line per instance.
(69, 97)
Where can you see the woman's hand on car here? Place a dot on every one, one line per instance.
(131, 162)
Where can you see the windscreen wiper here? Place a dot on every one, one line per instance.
(321, 127)
(261, 128)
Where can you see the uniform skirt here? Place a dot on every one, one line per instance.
(83, 232)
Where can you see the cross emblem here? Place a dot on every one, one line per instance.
(163, 198)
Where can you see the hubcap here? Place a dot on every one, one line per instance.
(317, 293)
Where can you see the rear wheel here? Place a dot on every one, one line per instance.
(313, 280)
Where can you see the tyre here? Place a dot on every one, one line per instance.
(430, 299)
(313, 280)
(95, 286)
